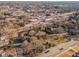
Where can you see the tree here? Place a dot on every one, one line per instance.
(40, 34)
(32, 33)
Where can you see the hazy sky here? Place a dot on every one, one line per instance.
(39, 0)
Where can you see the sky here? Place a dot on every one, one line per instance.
(39, 0)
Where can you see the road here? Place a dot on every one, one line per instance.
(54, 51)
(67, 14)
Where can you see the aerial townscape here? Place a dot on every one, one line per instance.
(39, 29)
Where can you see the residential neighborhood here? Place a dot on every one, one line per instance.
(39, 29)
